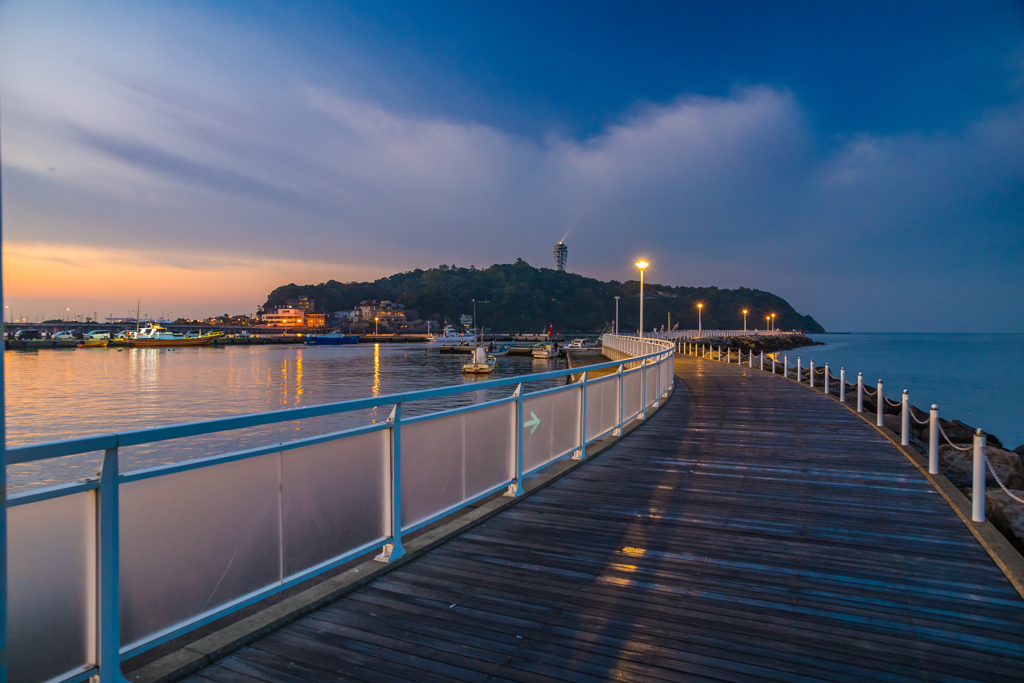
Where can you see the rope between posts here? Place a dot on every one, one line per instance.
(892, 403)
(943, 432)
(869, 392)
(920, 422)
(1000, 481)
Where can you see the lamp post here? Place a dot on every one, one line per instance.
(699, 328)
(641, 265)
(375, 319)
(616, 315)
(767, 322)
(773, 323)
(744, 321)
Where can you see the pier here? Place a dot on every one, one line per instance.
(678, 519)
(751, 529)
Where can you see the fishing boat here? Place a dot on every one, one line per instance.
(482, 363)
(155, 336)
(335, 337)
(500, 351)
(449, 334)
(545, 351)
(94, 344)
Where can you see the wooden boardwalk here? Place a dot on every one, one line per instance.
(751, 530)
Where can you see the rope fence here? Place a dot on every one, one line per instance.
(806, 375)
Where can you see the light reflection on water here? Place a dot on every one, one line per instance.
(57, 394)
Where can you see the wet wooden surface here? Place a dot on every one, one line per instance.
(752, 529)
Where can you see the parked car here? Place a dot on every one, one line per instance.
(28, 334)
(98, 334)
(66, 334)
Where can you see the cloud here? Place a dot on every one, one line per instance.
(729, 191)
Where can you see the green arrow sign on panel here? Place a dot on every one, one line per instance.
(532, 423)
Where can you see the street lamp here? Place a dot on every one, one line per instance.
(616, 315)
(768, 323)
(744, 321)
(699, 328)
(641, 265)
(375, 319)
(773, 323)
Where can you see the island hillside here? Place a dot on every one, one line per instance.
(527, 299)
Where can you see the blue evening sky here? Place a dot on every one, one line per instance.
(865, 160)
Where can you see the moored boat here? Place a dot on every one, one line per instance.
(93, 344)
(333, 338)
(449, 334)
(155, 336)
(545, 351)
(482, 363)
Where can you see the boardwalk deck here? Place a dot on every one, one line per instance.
(751, 530)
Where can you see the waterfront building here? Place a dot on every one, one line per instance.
(383, 311)
(561, 255)
(316, 320)
(284, 316)
(303, 303)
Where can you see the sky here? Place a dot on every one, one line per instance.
(863, 160)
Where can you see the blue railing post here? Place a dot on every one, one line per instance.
(109, 570)
(516, 489)
(583, 420)
(394, 550)
(622, 385)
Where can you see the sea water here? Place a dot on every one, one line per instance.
(55, 394)
(975, 378)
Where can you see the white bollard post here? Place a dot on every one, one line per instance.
(880, 405)
(826, 379)
(728, 355)
(933, 440)
(785, 366)
(799, 369)
(751, 359)
(719, 352)
(860, 392)
(978, 493)
(905, 419)
(842, 385)
(773, 362)
(812, 374)
(762, 360)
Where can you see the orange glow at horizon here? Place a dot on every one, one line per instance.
(44, 279)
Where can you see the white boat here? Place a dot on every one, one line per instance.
(482, 363)
(578, 344)
(449, 334)
(500, 351)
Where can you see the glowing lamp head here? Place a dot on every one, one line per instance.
(744, 311)
(700, 305)
(642, 264)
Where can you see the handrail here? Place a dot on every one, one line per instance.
(135, 437)
(569, 429)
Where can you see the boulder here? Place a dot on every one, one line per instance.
(958, 467)
(1007, 515)
(1019, 450)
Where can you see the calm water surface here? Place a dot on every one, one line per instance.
(977, 378)
(65, 393)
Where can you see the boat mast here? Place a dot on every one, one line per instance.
(138, 310)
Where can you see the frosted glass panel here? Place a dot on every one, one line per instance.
(490, 448)
(448, 460)
(335, 497)
(51, 587)
(652, 383)
(192, 541)
(557, 427)
(602, 405)
(632, 383)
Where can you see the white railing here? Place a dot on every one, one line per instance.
(676, 335)
(110, 566)
(829, 383)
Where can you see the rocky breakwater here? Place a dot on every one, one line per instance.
(769, 343)
(1005, 513)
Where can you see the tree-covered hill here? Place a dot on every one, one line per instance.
(527, 299)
